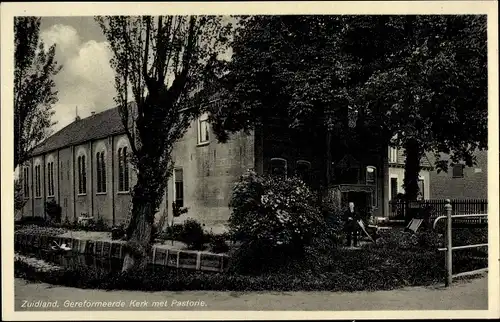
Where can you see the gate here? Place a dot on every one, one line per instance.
(449, 247)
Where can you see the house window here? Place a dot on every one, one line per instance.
(26, 186)
(38, 190)
(101, 172)
(303, 170)
(179, 187)
(393, 155)
(50, 179)
(278, 167)
(203, 129)
(123, 177)
(82, 175)
(458, 171)
(421, 191)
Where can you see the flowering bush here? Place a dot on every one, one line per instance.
(273, 217)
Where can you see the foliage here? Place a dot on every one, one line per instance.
(398, 239)
(172, 232)
(274, 218)
(161, 61)
(31, 220)
(177, 210)
(218, 244)
(117, 232)
(192, 234)
(53, 210)
(344, 271)
(426, 84)
(19, 199)
(334, 226)
(421, 80)
(34, 87)
(37, 226)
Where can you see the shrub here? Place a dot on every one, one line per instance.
(117, 232)
(100, 224)
(53, 210)
(33, 220)
(274, 219)
(192, 234)
(397, 239)
(177, 210)
(172, 232)
(19, 199)
(334, 226)
(349, 271)
(218, 244)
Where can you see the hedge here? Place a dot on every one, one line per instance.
(346, 271)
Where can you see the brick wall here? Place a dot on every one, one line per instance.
(473, 185)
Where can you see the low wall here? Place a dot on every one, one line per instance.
(159, 255)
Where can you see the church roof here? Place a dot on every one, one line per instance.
(97, 126)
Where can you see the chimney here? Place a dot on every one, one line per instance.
(77, 118)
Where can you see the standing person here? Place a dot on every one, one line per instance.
(351, 217)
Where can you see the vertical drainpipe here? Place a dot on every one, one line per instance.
(32, 166)
(74, 181)
(58, 179)
(386, 183)
(44, 196)
(112, 178)
(91, 180)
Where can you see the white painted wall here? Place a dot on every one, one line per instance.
(399, 173)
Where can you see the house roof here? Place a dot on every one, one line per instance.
(97, 126)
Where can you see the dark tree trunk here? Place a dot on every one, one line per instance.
(412, 170)
(140, 227)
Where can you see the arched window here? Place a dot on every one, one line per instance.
(101, 172)
(50, 179)
(38, 192)
(82, 175)
(278, 167)
(123, 175)
(26, 178)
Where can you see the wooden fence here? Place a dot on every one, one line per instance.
(436, 207)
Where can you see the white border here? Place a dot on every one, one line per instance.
(9, 10)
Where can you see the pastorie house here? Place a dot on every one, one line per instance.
(85, 168)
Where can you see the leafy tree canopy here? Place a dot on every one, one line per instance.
(34, 87)
(418, 82)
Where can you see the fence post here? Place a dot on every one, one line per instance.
(449, 271)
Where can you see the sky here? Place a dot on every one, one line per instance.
(86, 82)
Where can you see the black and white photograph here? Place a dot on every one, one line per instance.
(178, 160)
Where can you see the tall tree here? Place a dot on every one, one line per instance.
(426, 78)
(420, 79)
(34, 87)
(160, 61)
(295, 67)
